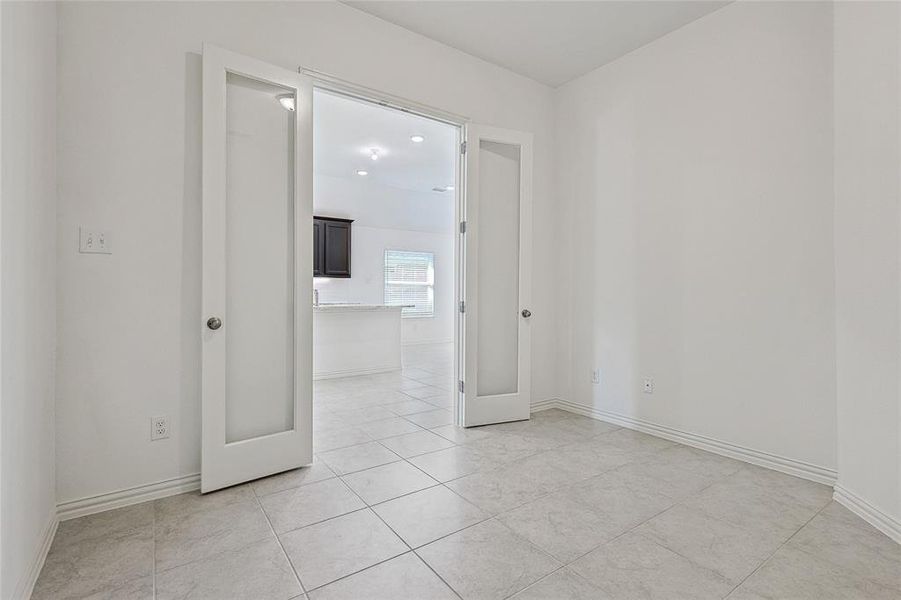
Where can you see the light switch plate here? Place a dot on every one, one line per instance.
(93, 241)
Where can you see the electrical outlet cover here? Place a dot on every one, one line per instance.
(648, 385)
(159, 428)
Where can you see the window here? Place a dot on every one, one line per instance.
(410, 282)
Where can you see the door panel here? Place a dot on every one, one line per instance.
(337, 249)
(497, 284)
(257, 216)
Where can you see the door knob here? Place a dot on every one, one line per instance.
(214, 323)
(526, 313)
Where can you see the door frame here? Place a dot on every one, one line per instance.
(342, 87)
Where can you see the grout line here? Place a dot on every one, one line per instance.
(773, 553)
(278, 540)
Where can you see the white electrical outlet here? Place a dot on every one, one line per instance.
(648, 385)
(159, 428)
(93, 241)
(595, 376)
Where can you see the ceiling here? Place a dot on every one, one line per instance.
(345, 131)
(398, 190)
(549, 41)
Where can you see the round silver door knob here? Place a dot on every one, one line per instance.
(214, 323)
(526, 313)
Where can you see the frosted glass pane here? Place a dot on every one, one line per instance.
(498, 302)
(259, 322)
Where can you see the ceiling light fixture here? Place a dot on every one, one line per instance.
(286, 100)
(362, 173)
(449, 188)
(417, 139)
(374, 153)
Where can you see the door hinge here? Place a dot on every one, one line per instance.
(461, 386)
(462, 306)
(463, 148)
(462, 226)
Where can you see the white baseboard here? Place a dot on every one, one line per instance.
(127, 497)
(354, 372)
(869, 513)
(760, 458)
(26, 584)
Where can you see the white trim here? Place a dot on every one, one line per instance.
(429, 342)
(760, 458)
(127, 497)
(26, 584)
(354, 373)
(887, 524)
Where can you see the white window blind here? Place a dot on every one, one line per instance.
(410, 282)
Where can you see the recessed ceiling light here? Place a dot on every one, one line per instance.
(287, 101)
(449, 188)
(417, 139)
(362, 173)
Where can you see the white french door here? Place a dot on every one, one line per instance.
(257, 265)
(497, 280)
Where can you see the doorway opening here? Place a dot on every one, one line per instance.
(385, 273)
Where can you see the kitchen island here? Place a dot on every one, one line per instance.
(355, 339)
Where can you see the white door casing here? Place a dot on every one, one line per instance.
(497, 279)
(238, 377)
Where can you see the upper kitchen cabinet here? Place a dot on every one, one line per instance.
(331, 247)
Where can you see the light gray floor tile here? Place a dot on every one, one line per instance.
(795, 574)
(427, 515)
(487, 561)
(308, 504)
(336, 548)
(452, 463)
(560, 526)
(838, 536)
(461, 435)
(138, 589)
(560, 585)
(358, 458)
(403, 577)
(77, 530)
(388, 481)
(506, 447)
(634, 566)
(195, 501)
(669, 520)
(379, 430)
(339, 438)
(498, 490)
(93, 564)
(409, 407)
(732, 551)
(432, 418)
(259, 570)
(423, 391)
(413, 444)
(318, 471)
(188, 537)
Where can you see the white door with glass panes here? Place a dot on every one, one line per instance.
(256, 322)
(497, 280)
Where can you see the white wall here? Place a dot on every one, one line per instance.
(129, 151)
(28, 289)
(695, 179)
(867, 244)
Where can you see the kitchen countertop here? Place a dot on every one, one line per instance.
(353, 307)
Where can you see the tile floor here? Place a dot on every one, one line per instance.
(402, 504)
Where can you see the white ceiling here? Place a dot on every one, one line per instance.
(398, 191)
(345, 130)
(549, 41)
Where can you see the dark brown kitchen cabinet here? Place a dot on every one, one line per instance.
(331, 247)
